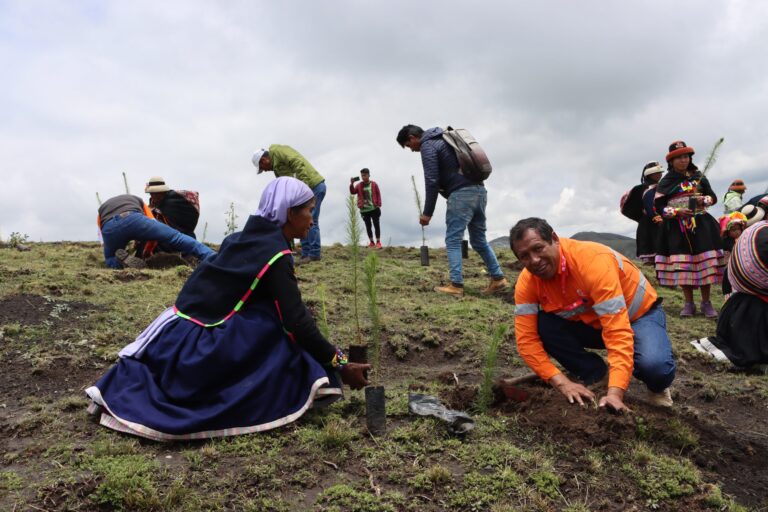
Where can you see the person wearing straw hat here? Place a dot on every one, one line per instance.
(239, 351)
(283, 160)
(689, 253)
(126, 217)
(180, 209)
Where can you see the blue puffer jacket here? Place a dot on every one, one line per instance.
(441, 169)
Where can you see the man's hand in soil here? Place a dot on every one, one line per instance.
(353, 375)
(614, 400)
(573, 391)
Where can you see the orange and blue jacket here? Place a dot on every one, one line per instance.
(594, 285)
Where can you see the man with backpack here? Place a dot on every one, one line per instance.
(467, 199)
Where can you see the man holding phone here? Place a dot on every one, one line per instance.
(369, 204)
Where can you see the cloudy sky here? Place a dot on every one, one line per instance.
(568, 98)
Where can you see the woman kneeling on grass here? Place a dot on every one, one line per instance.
(239, 352)
(742, 330)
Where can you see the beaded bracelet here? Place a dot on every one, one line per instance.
(339, 359)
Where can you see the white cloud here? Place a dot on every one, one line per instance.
(564, 96)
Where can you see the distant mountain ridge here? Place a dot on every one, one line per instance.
(623, 244)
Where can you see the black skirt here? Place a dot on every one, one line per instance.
(742, 330)
(645, 238)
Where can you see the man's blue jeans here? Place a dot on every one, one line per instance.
(466, 210)
(566, 341)
(311, 245)
(118, 231)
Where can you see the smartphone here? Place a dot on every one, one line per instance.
(356, 178)
(692, 203)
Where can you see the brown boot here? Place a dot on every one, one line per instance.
(456, 291)
(495, 286)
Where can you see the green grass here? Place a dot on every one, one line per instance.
(55, 459)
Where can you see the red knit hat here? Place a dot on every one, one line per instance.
(678, 148)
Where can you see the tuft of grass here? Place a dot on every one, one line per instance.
(10, 481)
(479, 491)
(681, 435)
(660, 477)
(345, 497)
(128, 482)
(485, 396)
(433, 477)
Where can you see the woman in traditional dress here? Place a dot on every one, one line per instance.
(689, 252)
(637, 204)
(742, 329)
(239, 352)
(733, 225)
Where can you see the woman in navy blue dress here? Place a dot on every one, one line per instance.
(238, 352)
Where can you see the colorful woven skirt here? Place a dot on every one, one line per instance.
(185, 381)
(689, 257)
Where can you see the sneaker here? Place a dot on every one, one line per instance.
(378, 245)
(495, 286)
(371, 245)
(456, 291)
(129, 261)
(708, 310)
(689, 309)
(663, 399)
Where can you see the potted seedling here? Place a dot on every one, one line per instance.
(424, 249)
(375, 414)
(357, 351)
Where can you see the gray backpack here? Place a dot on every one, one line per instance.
(473, 162)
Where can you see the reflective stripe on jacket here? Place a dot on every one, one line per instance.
(601, 288)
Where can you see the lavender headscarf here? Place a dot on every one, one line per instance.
(280, 195)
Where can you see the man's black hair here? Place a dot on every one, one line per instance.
(365, 170)
(405, 133)
(541, 227)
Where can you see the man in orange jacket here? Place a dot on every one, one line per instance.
(575, 295)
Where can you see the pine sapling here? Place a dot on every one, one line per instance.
(712, 158)
(418, 205)
(485, 395)
(353, 237)
(231, 220)
(371, 268)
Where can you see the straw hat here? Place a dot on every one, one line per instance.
(156, 184)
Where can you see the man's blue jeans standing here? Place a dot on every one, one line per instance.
(466, 210)
(566, 341)
(310, 247)
(120, 230)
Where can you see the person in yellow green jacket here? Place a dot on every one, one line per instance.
(283, 160)
(574, 295)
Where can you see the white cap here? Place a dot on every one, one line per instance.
(653, 169)
(256, 157)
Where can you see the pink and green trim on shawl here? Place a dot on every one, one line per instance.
(242, 300)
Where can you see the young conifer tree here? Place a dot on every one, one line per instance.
(353, 237)
(485, 395)
(371, 268)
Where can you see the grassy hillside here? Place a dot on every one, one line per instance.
(63, 317)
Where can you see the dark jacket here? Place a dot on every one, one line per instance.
(179, 213)
(441, 169)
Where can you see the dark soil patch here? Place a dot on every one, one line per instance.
(130, 275)
(724, 453)
(163, 260)
(27, 309)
